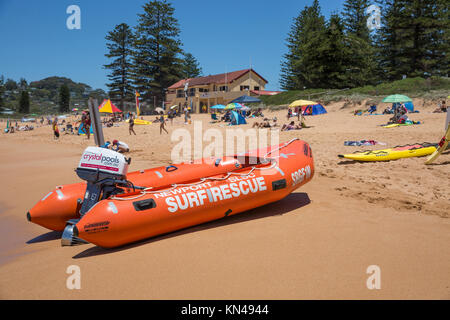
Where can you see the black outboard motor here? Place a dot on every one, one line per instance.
(104, 170)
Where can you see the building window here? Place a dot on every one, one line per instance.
(223, 88)
(256, 88)
(243, 88)
(180, 93)
(191, 92)
(203, 90)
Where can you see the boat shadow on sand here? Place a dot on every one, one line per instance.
(291, 202)
(49, 236)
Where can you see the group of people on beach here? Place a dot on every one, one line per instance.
(272, 123)
(266, 123)
(16, 127)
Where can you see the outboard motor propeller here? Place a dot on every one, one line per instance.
(104, 170)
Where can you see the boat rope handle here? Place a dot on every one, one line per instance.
(202, 180)
(171, 167)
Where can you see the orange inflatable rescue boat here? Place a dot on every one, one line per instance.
(118, 209)
(64, 202)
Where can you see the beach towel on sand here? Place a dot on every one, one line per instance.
(363, 143)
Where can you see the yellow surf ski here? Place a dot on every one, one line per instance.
(417, 150)
(140, 121)
(395, 125)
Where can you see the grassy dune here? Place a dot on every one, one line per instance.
(432, 88)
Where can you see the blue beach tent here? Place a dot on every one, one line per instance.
(314, 110)
(237, 119)
(408, 105)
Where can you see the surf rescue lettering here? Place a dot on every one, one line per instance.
(178, 199)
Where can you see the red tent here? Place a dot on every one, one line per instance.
(108, 107)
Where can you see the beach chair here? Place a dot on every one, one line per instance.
(69, 129)
(214, 118)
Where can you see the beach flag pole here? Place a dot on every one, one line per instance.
(138, 111)
(447, 120)
(250, 76)
(96, 122)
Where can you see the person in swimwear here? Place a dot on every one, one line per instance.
(131, 127)
(119, 146)
(55, 129)
(86, 120)
(290, 126)
(162, 125)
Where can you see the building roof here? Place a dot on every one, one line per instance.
(265, 92)
(214, 79)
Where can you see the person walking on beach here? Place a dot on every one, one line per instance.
(162, 125)
(131, 128)
(55, 129)
(86, 121)
(289, 114)
(186, 114)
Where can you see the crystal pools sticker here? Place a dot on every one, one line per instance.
(180, 199)
(92, 160)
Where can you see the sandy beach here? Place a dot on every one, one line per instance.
(317, 243)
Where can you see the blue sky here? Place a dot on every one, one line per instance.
(222, 35)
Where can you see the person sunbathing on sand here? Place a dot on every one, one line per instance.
(290, 126)
(266, 124)
(441, 108)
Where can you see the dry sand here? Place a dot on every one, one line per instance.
(315, 244)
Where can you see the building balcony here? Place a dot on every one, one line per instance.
(211, 95)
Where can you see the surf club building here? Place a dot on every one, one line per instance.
(204, 92)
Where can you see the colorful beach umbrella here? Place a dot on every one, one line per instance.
(174, 106)
(75, 109)
(233, 106)
(302, 103)
(108, 107)
(218, 106)
(396, 98)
